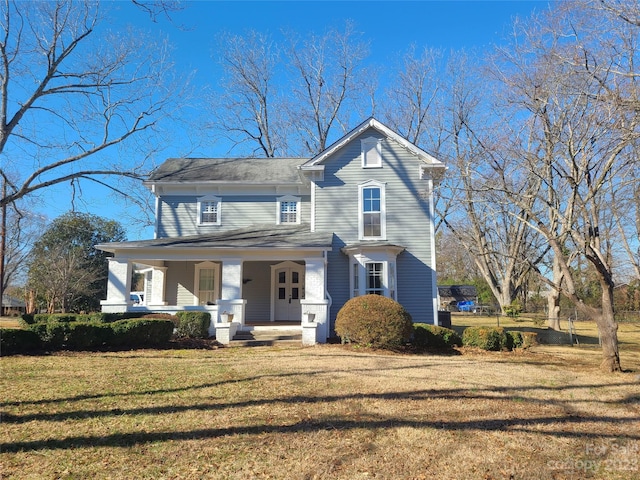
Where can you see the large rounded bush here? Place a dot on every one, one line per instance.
(375, 321)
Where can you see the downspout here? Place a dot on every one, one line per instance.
(434, 275)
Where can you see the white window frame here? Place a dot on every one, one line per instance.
(383, 210)
(358, 283)
(196, 282)
(288, 199)
(207, 199)
(371, 152)
(384, 283)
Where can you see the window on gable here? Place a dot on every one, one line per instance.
(288, 210)
(371, 152)
(209, 211)
(372, 211)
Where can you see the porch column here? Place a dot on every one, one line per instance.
(118, 286)
(314, 305)
(231, 290)
(158, 284)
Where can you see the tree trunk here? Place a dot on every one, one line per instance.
(608, 330)
(553, 300)
(553, 304)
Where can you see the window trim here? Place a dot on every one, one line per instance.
(209, 198)
(196, 281)
(283, 199)
(371, 144)
(383, 210)
(359, 273)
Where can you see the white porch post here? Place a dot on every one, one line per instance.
(118, 286)
(314, 305)
(230, 299)
(158, 286)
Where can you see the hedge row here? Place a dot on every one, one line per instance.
(99, 317)
(50, 336)
(496, 338)
(433, 336)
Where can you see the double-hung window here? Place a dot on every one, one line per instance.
(288, 210)
(372, 224)
(375, 278)
(209, 210)
(373, 272)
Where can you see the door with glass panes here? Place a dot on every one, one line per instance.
(289, 289)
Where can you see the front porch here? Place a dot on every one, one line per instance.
(238, 276)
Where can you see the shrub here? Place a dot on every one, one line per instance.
(375, 321)
(529, 339)
(13, 341)
(426, 335)
(87, 336)
(27, 319)
(487, 338)
(141, 332)
(193, 324)
(54, 317)
(513, 310)
(513, 339)
(51, 334)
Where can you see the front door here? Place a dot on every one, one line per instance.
(289, 289)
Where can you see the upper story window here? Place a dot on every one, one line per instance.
(209, 210)
(371, 152)
(372, 221)
(288, 210)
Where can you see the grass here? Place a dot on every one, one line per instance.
(323, 412)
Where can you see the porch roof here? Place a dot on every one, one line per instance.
(254, 237)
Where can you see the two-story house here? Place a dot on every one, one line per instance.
(288, 239)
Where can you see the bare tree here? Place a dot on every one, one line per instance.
(69, 91)
(575, 96)
(329, 83)
(249, 111)
(413, 101)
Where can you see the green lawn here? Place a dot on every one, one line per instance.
(329, 412)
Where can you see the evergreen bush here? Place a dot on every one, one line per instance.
(193, 324)
(426, 335)
(142, 333)
(374, 321)
(14, 341)
(486, 338)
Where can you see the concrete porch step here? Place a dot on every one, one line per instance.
(267, 335)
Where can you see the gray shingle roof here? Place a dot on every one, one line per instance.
(251, 170)
(254, 237)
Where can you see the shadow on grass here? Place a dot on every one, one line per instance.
(524, 424)
(495, 393)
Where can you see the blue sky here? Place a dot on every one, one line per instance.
(390, 27)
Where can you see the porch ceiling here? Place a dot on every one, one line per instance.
(254, 237)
